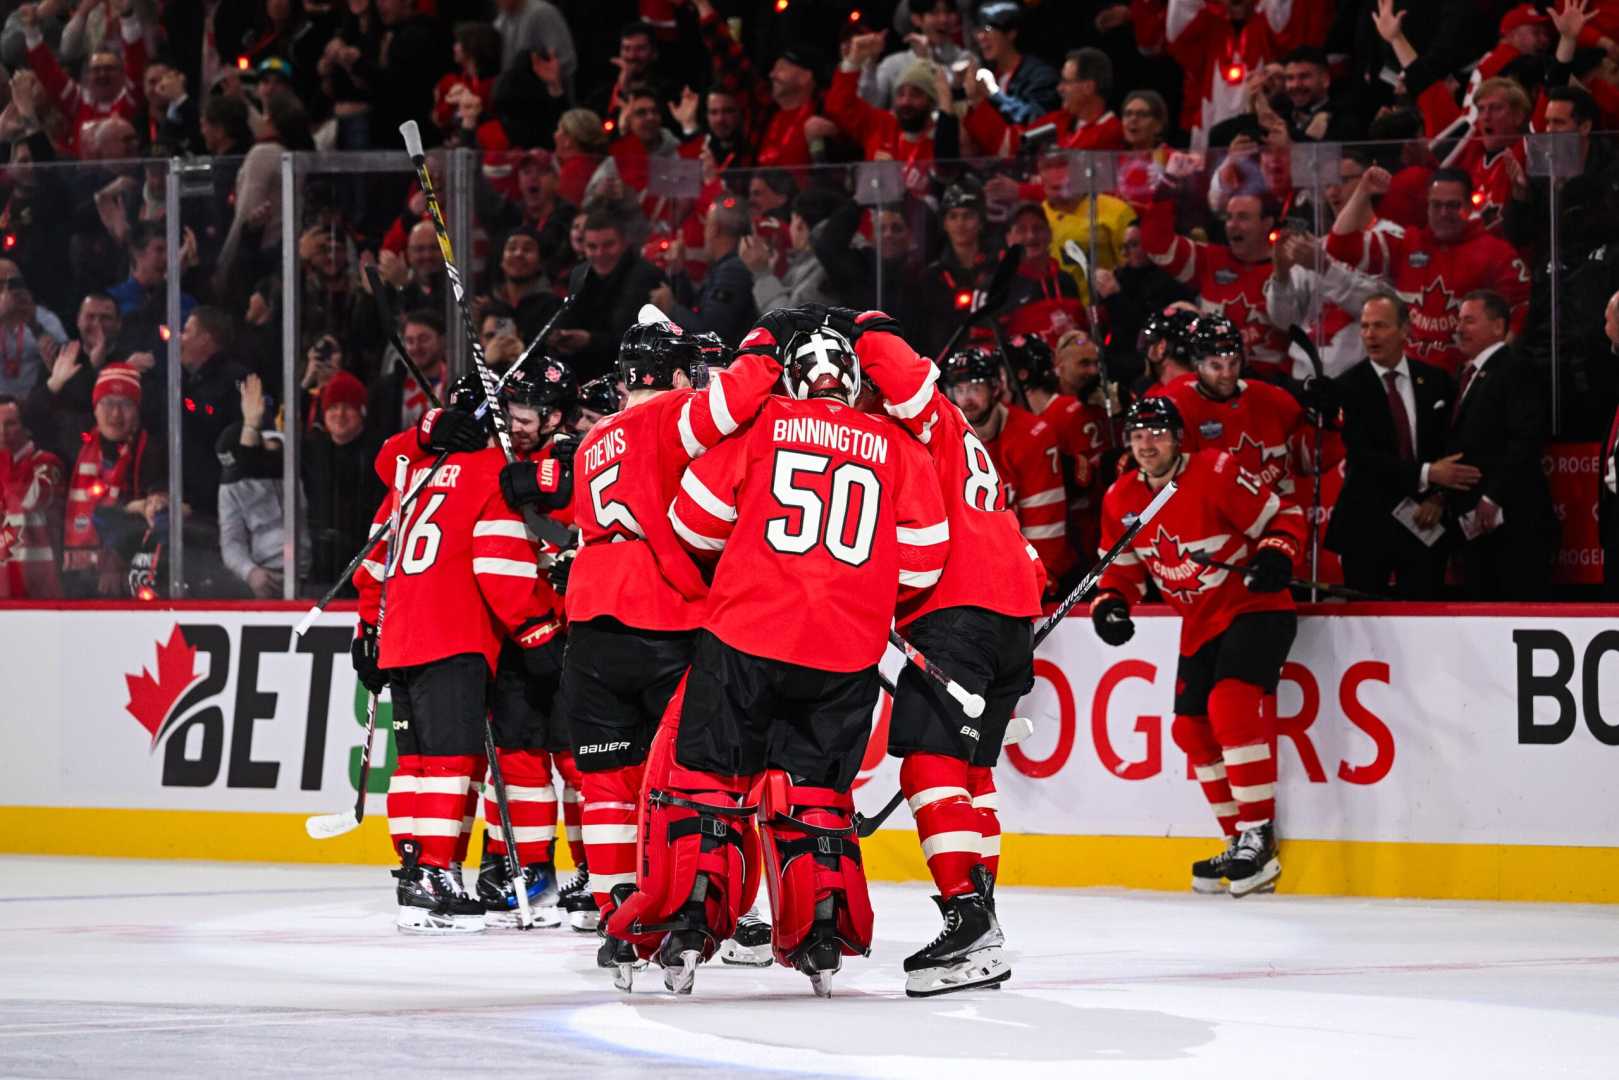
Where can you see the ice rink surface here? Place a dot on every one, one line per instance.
(141, 969)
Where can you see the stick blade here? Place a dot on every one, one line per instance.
(326, 826)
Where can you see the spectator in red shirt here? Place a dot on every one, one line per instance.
(779, 104)
(1083, 123)
(581, 143)
(111, 85)
(914, 132)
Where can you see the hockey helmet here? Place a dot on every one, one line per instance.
(651, 352)
(1031, 361)
(1156, 413)
(1213, 335)
(1170, 327)
(972, 364)
(551, 386)
(814, 355)
(600, 395)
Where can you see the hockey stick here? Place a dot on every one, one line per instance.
(1342, 591)
(326, 826)
(1093, 314)
(1298, 337)
(373, 278)
(1088, 582)
(972, 704)
(1000, 283)
(1017, 729)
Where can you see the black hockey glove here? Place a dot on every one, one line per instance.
(779, 325)
(1320, 396)
(451, 430)
(363, 655)
(561, 566)
(1111, 617)
(544, 485)
(1270, 571)
(542, 644)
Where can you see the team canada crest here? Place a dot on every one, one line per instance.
(1178, 577)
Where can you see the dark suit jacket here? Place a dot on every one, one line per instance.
(1501, 431)
(1608, 518)
(605, 309)
(1376, 479)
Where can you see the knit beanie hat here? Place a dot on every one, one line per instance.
(117, 379)
(923, 75)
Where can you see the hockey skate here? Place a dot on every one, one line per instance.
(750, 945)
(619, 956)
(1209, 875)
(966, 955)
(684, 948)
(500, 902)
(821, 955)
(1254, 866)
(575, 903)
(431, 901)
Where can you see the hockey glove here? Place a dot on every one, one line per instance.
(363, 655)
(541, 640)
(545, 485)
(1270, 571)
(451, 430)
(561, 566)
(1111, 617)
(773, 330)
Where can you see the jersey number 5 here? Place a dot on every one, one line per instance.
(610, 513)
(824, 522)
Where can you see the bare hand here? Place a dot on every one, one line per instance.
(974, 88)
(188, 248)
(1001, 189)
(1105, 282)
(1570, 19)
(64, 367)
(1375, 181)
(1449, 472)
(258, 310)
(1082, 471)
(547, 68)
(819, 127)
(662, 297)
(1428, 512)
(918, 44)
(755, 254)
(142, 361)
(685, 110)
(1518, 178)
(504, 350)
(252, 401)
(1389, 23)
(263, 583)
(468, 109)
(864, 48)
(393, 268)
(1317, 127)
(1304, 250)
(1112, 17)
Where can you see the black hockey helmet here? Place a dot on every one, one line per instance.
(600, 395)
(651, 352)
(465, 394)
(815, 354)
(975, 363)
(1031, 361)
(549, 386)
(1167, 326)
(1156, 413)
(1213, 335)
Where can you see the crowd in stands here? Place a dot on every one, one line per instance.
(1358, 168)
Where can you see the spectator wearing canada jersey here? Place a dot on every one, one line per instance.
(1217, 45)
(1230, 278)
(1083, 123)
(1023, 450)
(633, 596)
(1236, 625)
(821, 518)
(1432, 267)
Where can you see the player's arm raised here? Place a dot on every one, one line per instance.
(921, 521)
(735, 395)
(704, 510)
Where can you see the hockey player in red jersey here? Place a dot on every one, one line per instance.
(465, 580)
(633, 595)
(975, 623)
(1257, 423)
(1022, 447)
(1236, 628)
(821, 518)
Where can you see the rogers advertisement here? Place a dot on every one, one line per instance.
(1499, 729)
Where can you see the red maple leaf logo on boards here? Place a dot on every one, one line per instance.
(151, 699)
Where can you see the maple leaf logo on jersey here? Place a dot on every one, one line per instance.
(1177, 575)
(151, 700)
(1254, 456)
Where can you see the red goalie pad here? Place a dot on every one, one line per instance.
(813, 855)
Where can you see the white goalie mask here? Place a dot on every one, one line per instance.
(814, 358)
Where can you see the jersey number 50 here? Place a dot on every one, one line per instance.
(824, 522)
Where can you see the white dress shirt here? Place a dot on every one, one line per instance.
(1408, 396)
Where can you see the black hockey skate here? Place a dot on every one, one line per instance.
(500, 902)
(1209, 875)
(575, 902)
(616, 955)
(750, 945)
(821, 955)
(1254, 866)
(687, 944)
(432, 901)
(966, 955)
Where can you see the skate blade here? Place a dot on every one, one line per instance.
(821, 983)
(1208, 887)
(584, 921)
(512, 919)
(624, 977)
(734, 952)
(982, 970)
(680, 980)
(422, 921)
(1264, 881)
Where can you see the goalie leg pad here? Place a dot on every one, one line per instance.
(532, 801)
(812, 858)
(691, 849)
(1194, 735)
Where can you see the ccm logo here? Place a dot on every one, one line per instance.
(604, 747)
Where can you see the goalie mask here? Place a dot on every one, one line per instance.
(821, 363)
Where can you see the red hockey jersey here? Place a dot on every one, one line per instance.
(822, 514)
(626, 472)
(466, 569)
(1222, 511)
(1433, 277)
(1027, 459)
(1256, 426)
(1082, 435)
(1225, 285)
(989, 564)
(993, 135)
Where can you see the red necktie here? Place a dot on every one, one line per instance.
(1402, 419)
(1468, 371)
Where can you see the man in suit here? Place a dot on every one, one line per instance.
(1395, 413)
(1608, 490)
(1498, 426)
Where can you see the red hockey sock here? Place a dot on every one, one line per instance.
(469, 814)
(573, 804)
(981, 786)
(1245, 747)
(608, 828)
(532, 802)
(402, 801)
(935, 788)
(441, 796)
(1193, 735)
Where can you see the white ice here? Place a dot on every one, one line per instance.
(136, 969)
